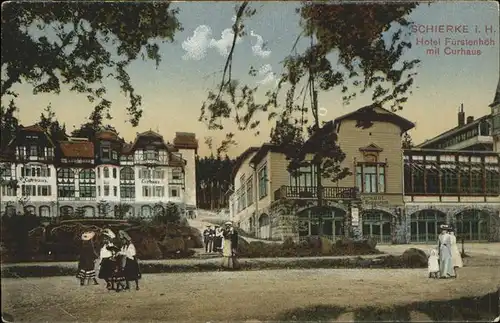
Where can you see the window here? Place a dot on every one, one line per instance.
(99, 190)
(151, 155)
(127, 191)
(7, 190)
(263, 182)
(476, 178)
(144, 173)
(174, 192)
(44, 190)
(87, 191)
(304, 177)
(250, 191)
(50, 152)
(106, 172)
(159, 191)
(492, 179)
(66, 173)
(127, 174)
(6, 171)
(87, 174)
(106, 190)
(465, 179)
(66, 191)
(158, 174)
(115, 191)
(176, 175)
(370, 178)
(105, 153)
(147, 191)
(449, 178)
(98, 173)
(33, 151)
(114, 172)
(432, 186)
(35, 171)
(44, 211)
(115, 155)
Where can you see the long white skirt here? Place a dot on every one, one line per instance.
(456, 257)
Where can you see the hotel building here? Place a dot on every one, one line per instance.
(394, 195)
(102, 177)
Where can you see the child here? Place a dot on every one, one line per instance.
(433, 264)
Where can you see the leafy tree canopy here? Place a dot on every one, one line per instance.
(369, 59)
(92, 41)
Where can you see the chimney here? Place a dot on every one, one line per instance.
(470, 119)
(461, 116)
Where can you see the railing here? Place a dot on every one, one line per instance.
(304, 192)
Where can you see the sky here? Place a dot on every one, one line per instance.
(173, 93)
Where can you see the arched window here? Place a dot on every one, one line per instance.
(106, 172)
(44, 211)
(127, 174)
(66, 173)
(146, 211)
(114, 172)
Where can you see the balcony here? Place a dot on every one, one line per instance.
(329, 193)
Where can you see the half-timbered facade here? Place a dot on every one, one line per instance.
(104, 177)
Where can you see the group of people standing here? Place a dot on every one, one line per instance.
(224, 240)
(445, 262)
(117, 266)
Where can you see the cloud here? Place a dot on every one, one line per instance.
(196, 46)
(223, 45)
(257, 48)
(269, 77)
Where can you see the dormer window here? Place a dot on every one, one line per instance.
(151, 155)
(105, 153)
(115, 155)
(33, 151)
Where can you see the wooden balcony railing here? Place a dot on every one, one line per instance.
(308, 192)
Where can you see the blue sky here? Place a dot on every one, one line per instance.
(173, 93)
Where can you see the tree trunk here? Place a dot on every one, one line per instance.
(317, 164)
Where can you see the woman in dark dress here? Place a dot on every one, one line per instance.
(108, 265)
(130, 263)
(88, 255)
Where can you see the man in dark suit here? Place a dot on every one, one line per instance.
(208, 238)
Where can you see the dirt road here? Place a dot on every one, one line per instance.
(240, 296)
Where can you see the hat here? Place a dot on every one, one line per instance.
(228, 223)
(86, 236)
(124, 235)
(108, 233)
(444, 227)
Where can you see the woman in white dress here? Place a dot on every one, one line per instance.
(229, 247)
(455, 254)
(445, 260)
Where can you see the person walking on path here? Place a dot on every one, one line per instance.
(455, 253)
(208, 239)
(229, 260)
(445, 258)
(88, 255)
(107, 264)
(130, 263)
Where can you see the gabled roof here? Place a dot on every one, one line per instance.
(77, 149)
(371, 148)
(36, 128)
(262, 152)
(149, 133)
(107, 135)
(374, 112)
(241, 158)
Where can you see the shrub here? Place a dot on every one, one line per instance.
(414, 258)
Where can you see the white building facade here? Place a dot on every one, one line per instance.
(105, 177)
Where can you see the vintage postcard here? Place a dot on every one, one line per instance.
(334, 161)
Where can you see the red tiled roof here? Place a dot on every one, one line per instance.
(34, 128)
(77, 149)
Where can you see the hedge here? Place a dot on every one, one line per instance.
(151, 267)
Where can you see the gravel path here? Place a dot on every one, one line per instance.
(238, 296)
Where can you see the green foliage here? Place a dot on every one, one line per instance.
(366, 62)
(103, 208)
(9, 124)
(407, 141)
(49, 122)
(121, 210)
(92, 41)
(166, 213)
(79, 212)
